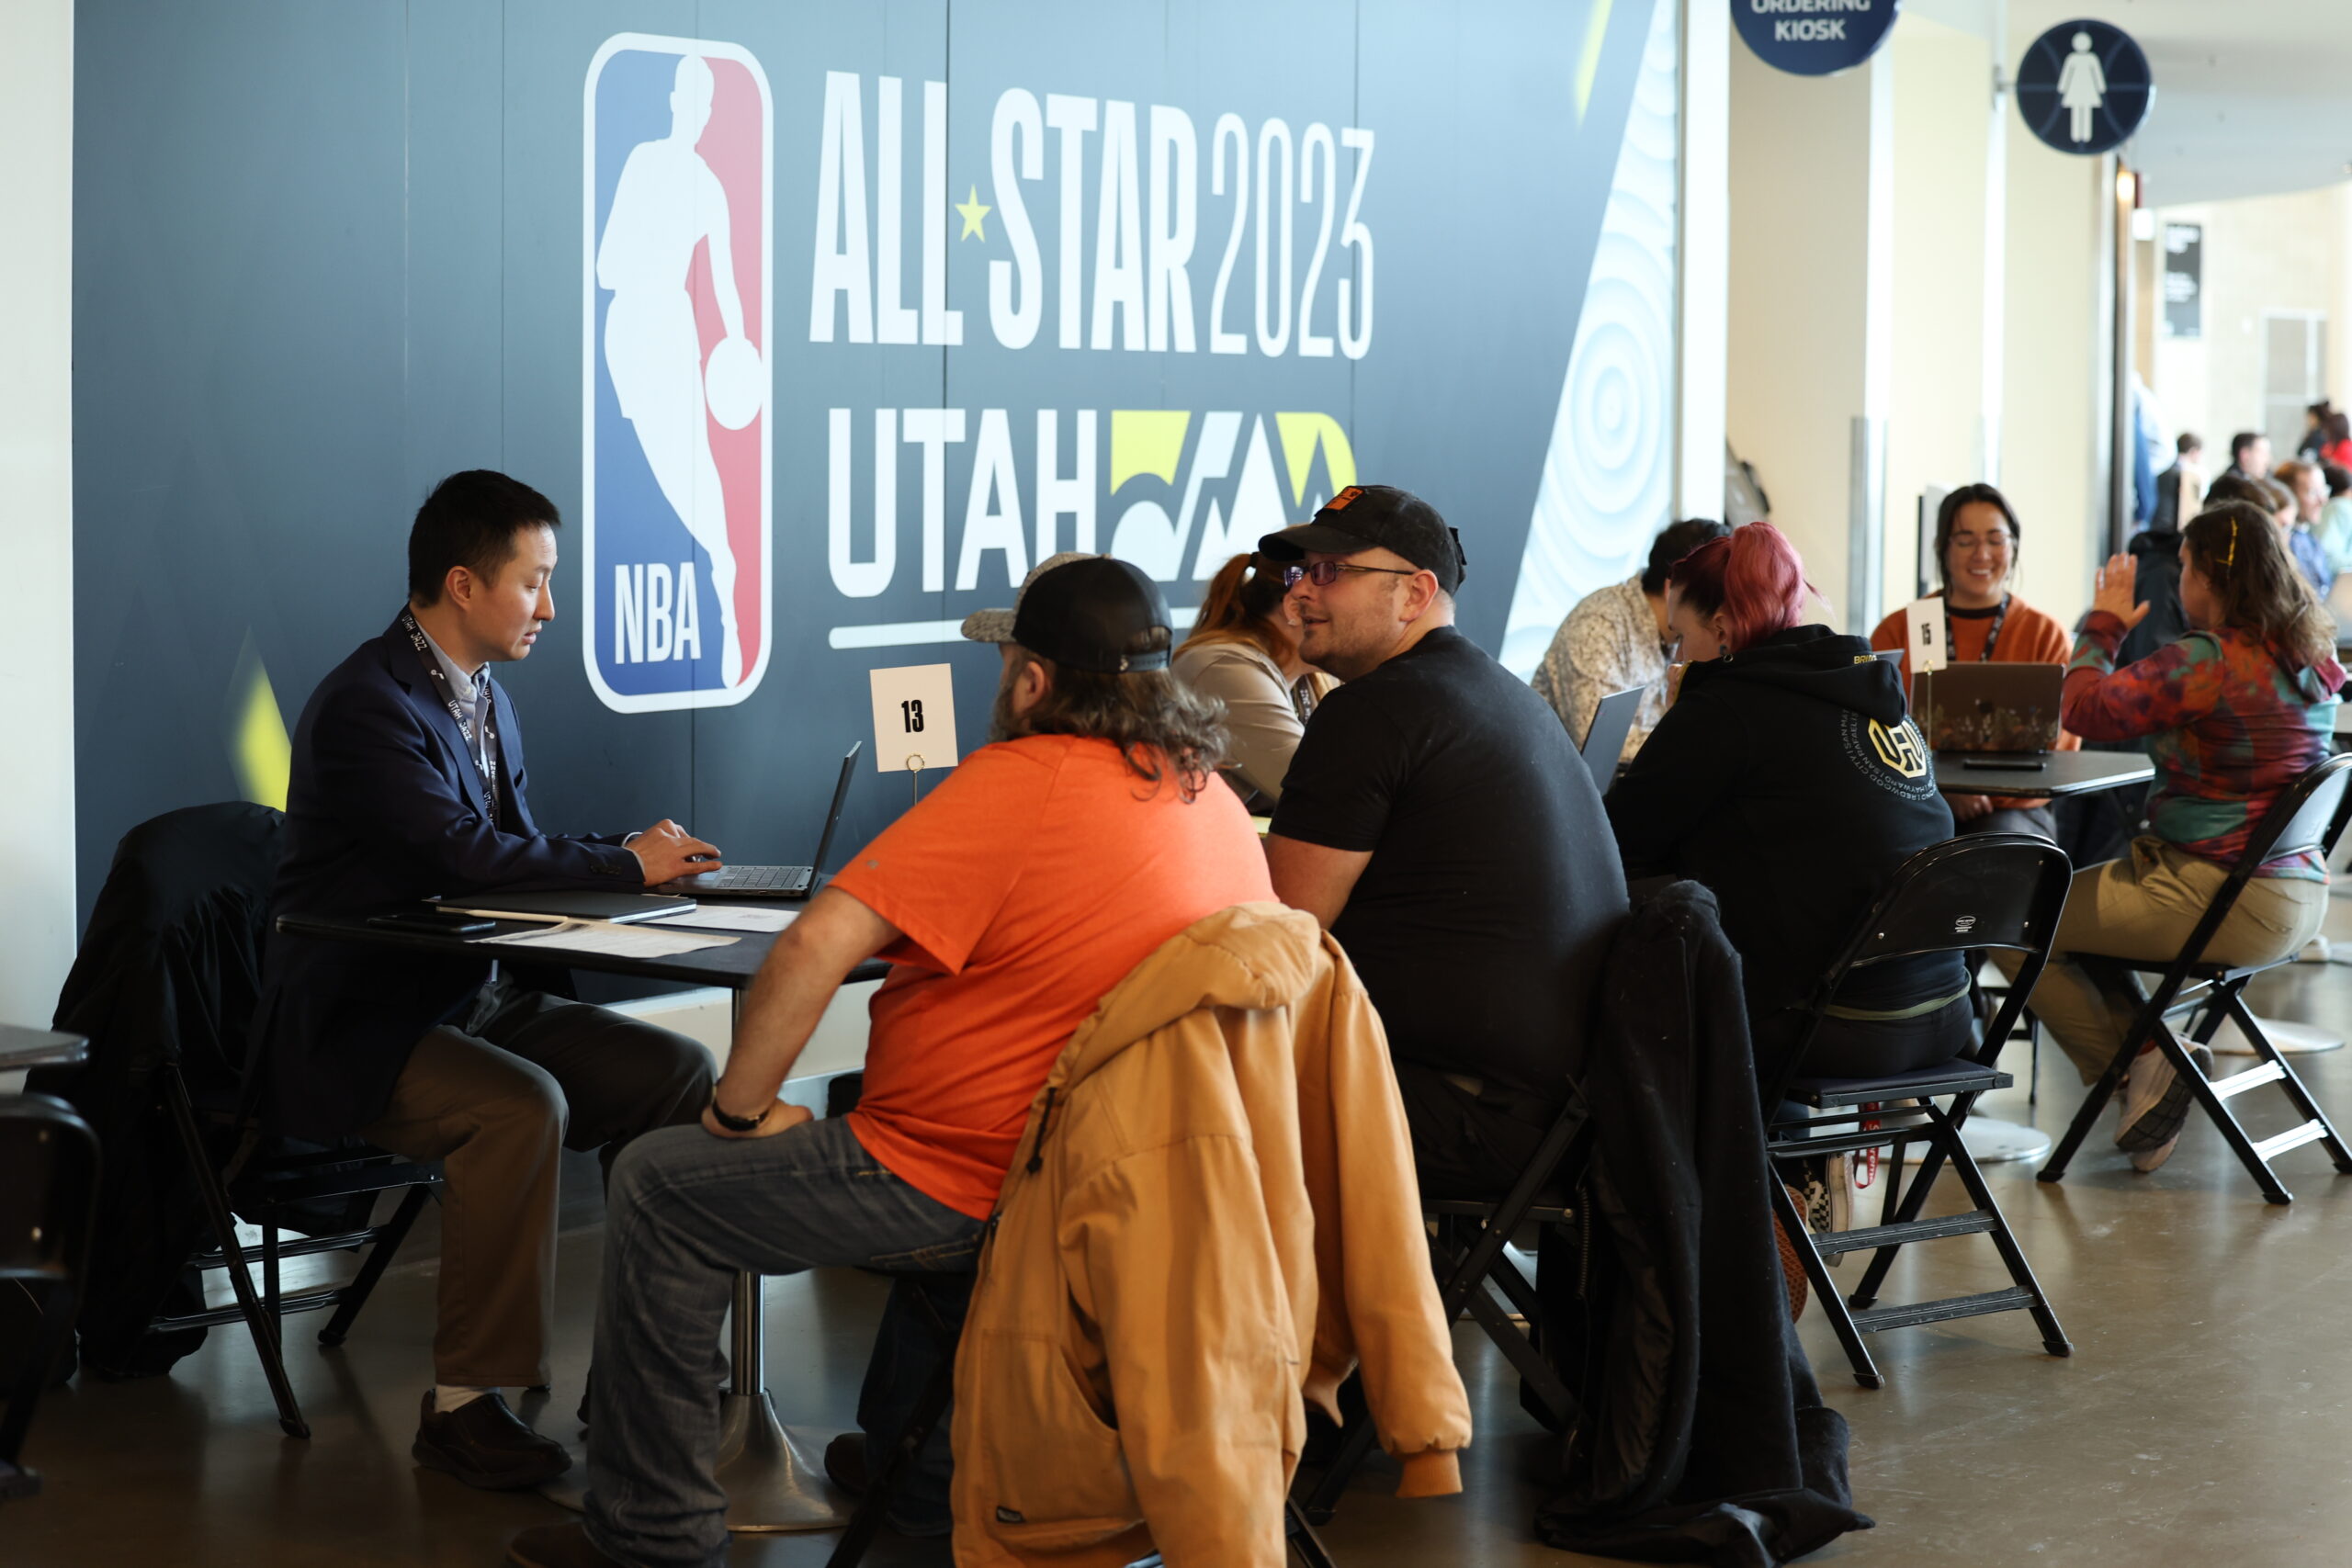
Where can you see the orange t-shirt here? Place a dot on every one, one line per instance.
(1027, 885)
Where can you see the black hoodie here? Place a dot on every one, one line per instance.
(1789, 780)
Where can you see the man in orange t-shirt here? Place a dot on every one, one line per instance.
(1010, 901)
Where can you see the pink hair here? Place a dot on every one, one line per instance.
(1755, 578)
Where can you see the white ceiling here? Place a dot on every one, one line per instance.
(2254, 98)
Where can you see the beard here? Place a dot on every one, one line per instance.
(1003, 723)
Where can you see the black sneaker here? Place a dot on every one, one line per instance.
(486, 1445)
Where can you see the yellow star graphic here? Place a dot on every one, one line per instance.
(974, 210)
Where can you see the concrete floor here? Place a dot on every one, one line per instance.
(2205, 1416)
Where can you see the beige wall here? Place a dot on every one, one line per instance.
(35, 480)
(2052, 437)
(1943, 86)
(2278, 252)
(1800, 172)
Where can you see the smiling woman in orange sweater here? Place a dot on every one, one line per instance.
(1976, 551)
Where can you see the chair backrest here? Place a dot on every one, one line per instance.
(2309, 817)
(48, 1188)
(172, 958)
(1604, 742)
(1981, 890)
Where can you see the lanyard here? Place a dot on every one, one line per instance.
(1992, 634)
(482, 752)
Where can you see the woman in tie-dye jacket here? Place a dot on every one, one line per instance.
(2232, 714)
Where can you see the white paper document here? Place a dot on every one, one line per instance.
(620, 942)
(729, 918)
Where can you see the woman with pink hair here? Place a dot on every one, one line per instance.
(1788, 779)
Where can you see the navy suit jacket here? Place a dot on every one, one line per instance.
(384, 808)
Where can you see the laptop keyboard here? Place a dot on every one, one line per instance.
(758, 878)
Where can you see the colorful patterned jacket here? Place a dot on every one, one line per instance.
(2228, 725)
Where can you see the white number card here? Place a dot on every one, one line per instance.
(1926, 619)
(914, 718)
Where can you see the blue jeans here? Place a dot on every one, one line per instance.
(683, 1212)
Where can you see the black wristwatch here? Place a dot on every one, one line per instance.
(737, 1124)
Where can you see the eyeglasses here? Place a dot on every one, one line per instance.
(1327, 573)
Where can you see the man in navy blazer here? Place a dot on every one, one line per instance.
(409, 781)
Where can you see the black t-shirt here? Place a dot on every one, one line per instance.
(1480, 924)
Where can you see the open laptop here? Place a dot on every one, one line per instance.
(2012, 709)
(1604, 742)
(772, 881)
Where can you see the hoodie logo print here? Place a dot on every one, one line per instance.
(1899, 749)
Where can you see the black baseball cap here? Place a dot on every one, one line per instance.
(1364, 517)
(1093, 613)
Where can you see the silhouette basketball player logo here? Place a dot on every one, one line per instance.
(667, 203)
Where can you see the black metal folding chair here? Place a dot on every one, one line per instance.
(1467, 1249)
(2309, 818)
(1984, 891)
(49, 1196)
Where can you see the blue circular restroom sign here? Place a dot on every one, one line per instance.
(1813, 37)
(2085, 87)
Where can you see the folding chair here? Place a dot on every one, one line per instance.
(875, 1503)
(286, 1192)
(49, 1196)
(1467, 1249)
(1987, 890)
(2309, 818)
(170, 1044)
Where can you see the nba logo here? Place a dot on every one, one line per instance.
(675, 374)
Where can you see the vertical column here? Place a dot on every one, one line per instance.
(1704, 259)
(1810, 173)
(37, 476)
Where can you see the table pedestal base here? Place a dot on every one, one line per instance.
(774, 1475)
(1991, 1141)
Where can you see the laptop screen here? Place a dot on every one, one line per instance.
(834, 816)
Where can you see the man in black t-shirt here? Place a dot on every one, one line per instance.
(1438, 822)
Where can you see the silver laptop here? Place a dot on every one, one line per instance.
(772, 881)
(1613, 720)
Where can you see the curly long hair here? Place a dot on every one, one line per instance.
(2237, 548)
(1160, 726)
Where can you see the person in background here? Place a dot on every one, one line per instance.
(1788, 779)
(2338, 448)
(2314, 442)
(1615, 640)
(1437, 821)
(1244, 652)
(2249, 455)
(1976, 554)
(2334, 524)
(2180, 487)
(2232, 714)
(2306, 493)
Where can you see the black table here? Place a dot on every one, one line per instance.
(2064, 773)
(21, 1047)
(774, 1480)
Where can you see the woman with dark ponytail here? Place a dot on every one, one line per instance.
(1244, 653)
(2231, 713)
(1789, 778)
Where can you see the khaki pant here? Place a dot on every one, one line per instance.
(2144, 905)
(497, 1102)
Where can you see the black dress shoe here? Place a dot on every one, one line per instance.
(484, 1444)
(558, 1546)
(845, 1462)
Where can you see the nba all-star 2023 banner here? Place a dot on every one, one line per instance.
(861, 345)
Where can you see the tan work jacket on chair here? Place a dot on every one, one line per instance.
(1212, 1212)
